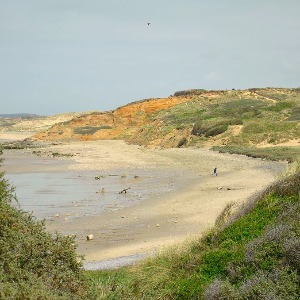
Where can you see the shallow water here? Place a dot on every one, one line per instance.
(48, 189)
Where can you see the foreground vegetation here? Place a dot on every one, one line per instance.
(34, 264)
(252, 253)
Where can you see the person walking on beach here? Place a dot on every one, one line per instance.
(215, 172)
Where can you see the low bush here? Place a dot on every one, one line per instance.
(90, 129)
(290, 154)
(278, 107)
(183, 141)
(216, 130)
(278, 284)
(270, 267)
(34, 264)
(209, 128)
(295, 114)
(244, 109)
(189, 92)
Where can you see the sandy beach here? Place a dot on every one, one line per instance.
(187, 209)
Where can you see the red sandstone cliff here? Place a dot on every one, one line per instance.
(116, 124)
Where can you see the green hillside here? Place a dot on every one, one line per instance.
(267, 116)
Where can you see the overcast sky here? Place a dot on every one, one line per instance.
(61, 56)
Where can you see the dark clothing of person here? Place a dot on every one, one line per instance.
(215, 172)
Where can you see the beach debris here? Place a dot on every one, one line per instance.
(89, 237)
(102, 191)
(57, 215)
(221, 188)
(99, 177)
(157, 225)
(124, 191)
(136, 176)
(123, 175)
(123, 217)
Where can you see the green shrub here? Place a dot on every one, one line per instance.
(280, 106)
(291, 154)
(245, 108)
(189, 92)
(216, 130)
(33, 264)
(278, 284)
(183, 141)
(198, 128)
(269, 268)
(234, 121)
(295, 115)
(209, 129)
(90, 129)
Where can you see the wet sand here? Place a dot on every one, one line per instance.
(187, 207)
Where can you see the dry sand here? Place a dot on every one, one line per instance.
(15, 136)
(152, 224)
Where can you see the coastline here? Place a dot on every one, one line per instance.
(147, 226)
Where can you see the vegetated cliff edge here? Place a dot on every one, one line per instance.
(256, 116)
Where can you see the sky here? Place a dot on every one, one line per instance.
(59, 56)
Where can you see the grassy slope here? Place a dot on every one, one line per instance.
(254, 254)
(267, 116)
(290, 154)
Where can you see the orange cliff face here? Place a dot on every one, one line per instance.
(109, 125)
